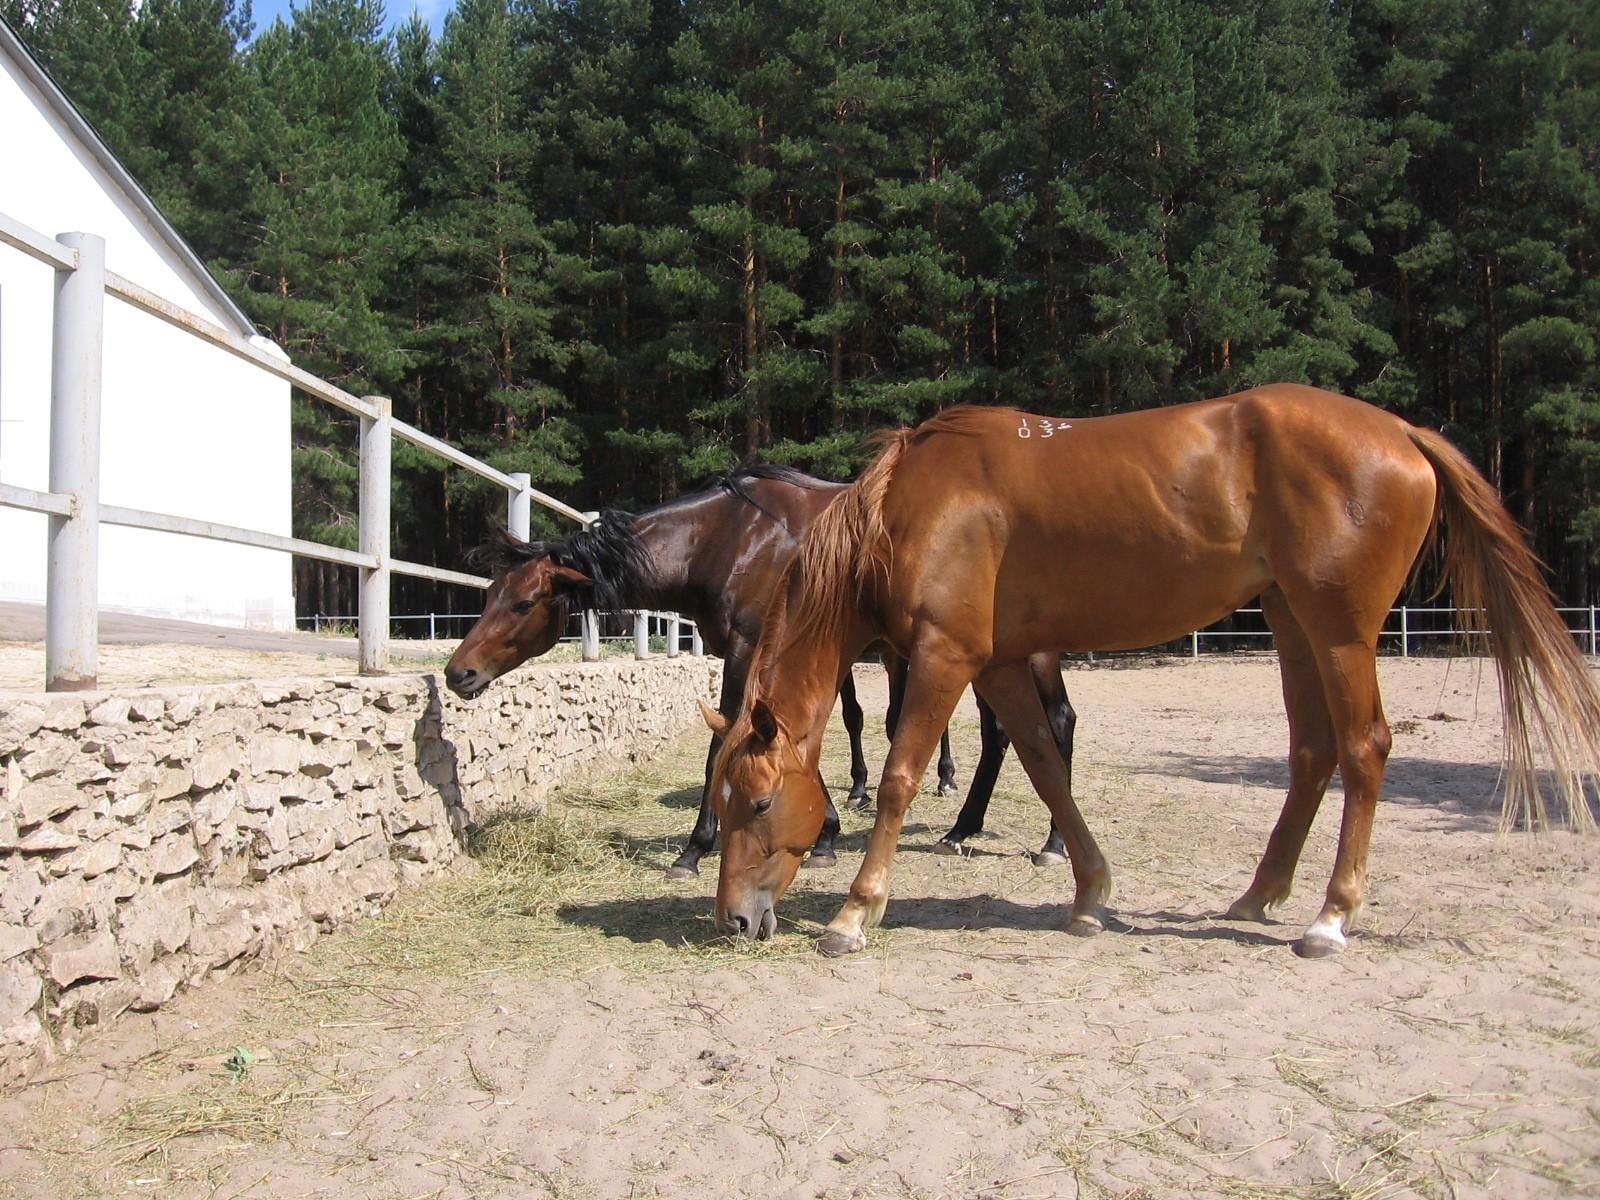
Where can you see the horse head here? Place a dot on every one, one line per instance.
(523, 615)
(771, 804)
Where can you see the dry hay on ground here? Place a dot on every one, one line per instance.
(561, 1021)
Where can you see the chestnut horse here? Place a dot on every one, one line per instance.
(714, 556)
(985, 535)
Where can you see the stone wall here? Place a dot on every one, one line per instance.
(151, 839)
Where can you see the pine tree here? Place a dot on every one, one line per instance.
(323, 208)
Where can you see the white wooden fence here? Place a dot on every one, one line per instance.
(72, 502)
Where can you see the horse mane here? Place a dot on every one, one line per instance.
(846, 549)
(608, 552)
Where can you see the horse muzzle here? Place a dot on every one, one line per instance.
(465, 681)
(752, 917)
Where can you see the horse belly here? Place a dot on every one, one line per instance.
(1133, 558)
(1108, 601)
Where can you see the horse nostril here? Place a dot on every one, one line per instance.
(740, 923)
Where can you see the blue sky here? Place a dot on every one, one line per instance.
(433, 11)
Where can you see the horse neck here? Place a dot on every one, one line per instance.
(669, 536)
(799, 677)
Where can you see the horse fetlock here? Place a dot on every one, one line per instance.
(1258, 905)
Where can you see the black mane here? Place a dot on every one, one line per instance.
(608, 552)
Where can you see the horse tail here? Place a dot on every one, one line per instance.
(1547, 692)
(847, 546)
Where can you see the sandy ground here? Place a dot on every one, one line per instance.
(604, 1043)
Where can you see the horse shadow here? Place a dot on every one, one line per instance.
(675, 920)
(1468, 795)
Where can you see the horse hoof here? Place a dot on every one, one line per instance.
(1319, 945)
(1085, 926)
(857, 803)
(683, 871)
(836, 945)
(826, 858)
(1248, 910)
(946, 847)
(1049, 858)
(945, 789)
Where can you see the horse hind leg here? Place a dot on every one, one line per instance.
(970, 820)
(1313, 754)
(947, 767)
(1343, 645)
(1010, 689)
(1063, 718)
(1350, 676)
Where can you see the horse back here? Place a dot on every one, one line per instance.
(1127, 530)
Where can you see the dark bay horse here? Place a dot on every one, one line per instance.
(714, 556)
(984, 535)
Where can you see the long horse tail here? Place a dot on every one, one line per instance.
(847, 546)
(1548, 694)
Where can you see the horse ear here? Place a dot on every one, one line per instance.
(566, 581)
(715, 721)
(762, 721)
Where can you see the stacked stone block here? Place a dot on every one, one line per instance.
(152, 839)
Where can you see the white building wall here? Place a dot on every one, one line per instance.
(187, 428)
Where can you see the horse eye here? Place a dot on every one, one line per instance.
(522, 607)
(762, 804)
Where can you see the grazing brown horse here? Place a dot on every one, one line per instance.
(985, 535)
(714, 556)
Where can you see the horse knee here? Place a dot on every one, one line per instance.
(897, 787)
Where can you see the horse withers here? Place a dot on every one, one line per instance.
(986, 535)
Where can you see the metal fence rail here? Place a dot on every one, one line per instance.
(72, 502)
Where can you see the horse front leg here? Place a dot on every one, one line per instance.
(854, 721)
(822, 851)
(703, 837)
(933, 689)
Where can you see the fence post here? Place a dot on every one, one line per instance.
(519, 506)
(1405, 633)
(591, 622)
(697, 647)
(641, 635)
(372, 632)
(1594, 650)
(674, 633)
(72, 571)
(1194, 644)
